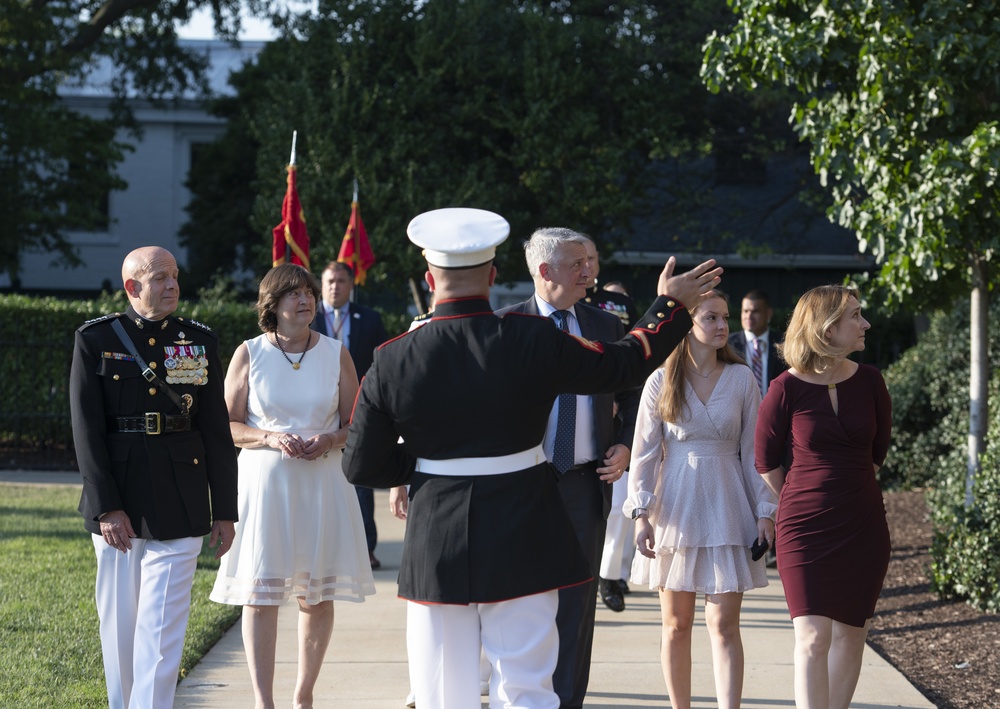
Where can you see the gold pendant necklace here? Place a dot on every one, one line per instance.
(295, 365)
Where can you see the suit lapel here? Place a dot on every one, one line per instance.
(357, 330)
(587, 325)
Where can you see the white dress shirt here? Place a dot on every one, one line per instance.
(586, 437)
(344, 335)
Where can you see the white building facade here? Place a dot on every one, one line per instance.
(151, 210)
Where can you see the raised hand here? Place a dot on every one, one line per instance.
(689, 287)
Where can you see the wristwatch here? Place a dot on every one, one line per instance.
(636, 511)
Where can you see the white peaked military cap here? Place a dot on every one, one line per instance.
(458, 237)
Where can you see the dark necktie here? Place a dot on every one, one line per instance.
(564, 447)
(757, 363)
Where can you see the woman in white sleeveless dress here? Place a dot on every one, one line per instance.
(697, 499)
(300, 531)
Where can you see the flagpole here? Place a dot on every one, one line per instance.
(355, 249)
(290, 239)
(291, 165)
(354, 291)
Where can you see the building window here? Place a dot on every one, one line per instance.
(90, 208)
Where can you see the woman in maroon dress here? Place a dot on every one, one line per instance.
(834, 417)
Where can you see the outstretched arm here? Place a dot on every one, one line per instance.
(689, 287)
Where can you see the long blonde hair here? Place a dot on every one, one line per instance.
(805, 347)
(672, 395)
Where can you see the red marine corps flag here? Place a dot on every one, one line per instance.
(355, 249)
(291, 241)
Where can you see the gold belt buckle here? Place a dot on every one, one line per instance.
(154, 423)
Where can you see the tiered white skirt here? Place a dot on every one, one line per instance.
(300, 533)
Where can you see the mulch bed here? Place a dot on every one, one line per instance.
(948, 650)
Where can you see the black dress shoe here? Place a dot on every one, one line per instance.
(612, 596)
(623, 586)
(375, 563)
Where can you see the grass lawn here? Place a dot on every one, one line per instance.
(50, 650)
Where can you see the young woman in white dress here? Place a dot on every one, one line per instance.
(300, 532)
(697, 500)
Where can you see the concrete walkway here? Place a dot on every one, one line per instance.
(366, 665)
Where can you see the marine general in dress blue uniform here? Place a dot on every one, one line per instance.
(470, 393)
(152, 439)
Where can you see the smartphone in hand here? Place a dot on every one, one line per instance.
(758, 548)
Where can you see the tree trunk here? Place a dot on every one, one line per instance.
(979, 375)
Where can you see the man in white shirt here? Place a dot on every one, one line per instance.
(598, 452)
(361, 330)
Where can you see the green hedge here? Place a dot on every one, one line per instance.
(36, 350)
(929, 386)
(966, 547)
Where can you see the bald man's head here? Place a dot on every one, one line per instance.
(461, 282)
(149, 274)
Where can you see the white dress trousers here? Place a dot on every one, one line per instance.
(519, 638)
(619, 539)
(143, 602)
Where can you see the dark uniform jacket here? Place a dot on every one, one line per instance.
(614, 302)
(172, 484)
(472, 384)
(600, 326)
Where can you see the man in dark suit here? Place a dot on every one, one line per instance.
(361, 331)
(597, 454)
(756, 341)
(151, 431)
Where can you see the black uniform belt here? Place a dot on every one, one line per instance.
(153, 423)
(590, 465)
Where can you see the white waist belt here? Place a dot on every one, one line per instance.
(494, 465)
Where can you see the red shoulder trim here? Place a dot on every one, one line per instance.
(459, 300)
(356, 397)
(393, 339)
(459, 316)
